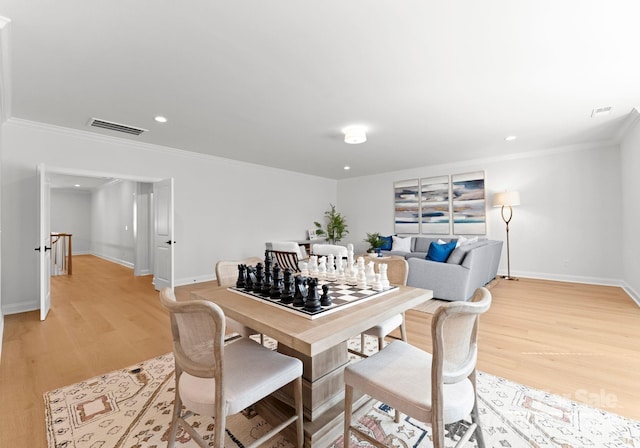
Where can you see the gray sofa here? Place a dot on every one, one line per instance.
(467, 268)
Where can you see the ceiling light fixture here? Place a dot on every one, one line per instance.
(76, 185)
(160, 119)
(347, 168)
(355, 135)
(510, 138)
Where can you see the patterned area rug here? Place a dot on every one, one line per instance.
(132, 408)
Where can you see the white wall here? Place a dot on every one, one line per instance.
(630, 161)
(223, 209)
(112, 222)
(71, 213)
(567, 228)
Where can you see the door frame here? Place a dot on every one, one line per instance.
(90, 173)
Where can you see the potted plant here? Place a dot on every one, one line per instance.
(375, 242)
(336, 227)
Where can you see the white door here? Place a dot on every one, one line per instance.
(44, 241)
(163, 234)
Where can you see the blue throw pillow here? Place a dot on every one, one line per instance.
(440, 252)
(387, 242)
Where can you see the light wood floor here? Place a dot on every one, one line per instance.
(575, 340)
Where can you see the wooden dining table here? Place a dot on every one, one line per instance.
(321, 344)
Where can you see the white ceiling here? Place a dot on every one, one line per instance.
(274, 82)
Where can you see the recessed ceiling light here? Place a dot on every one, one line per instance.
(160, 119)
(355, 134)
(76, 185)
(510, 138)
(347, 168)
(601, 111)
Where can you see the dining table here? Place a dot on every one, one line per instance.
(320, 343)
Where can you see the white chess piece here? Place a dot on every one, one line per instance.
(383, 275)
(322, 268)
(331, 269)
(304, 268)
(313, 265)
(377, 284)
(370, 272)
(361, 281)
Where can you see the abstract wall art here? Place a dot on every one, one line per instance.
(468, 203)
(435, 205)
(407, 206)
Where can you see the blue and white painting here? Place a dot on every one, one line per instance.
(407, 206)
(435, 205)
(469, 205)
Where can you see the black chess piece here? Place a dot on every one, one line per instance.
(242, 268)
(268, 260)
(287, 292)
(300, 292)
(325, 298)
(257, 286)
(312, 304)
(250, 278)
(276, 286)
(267, 282)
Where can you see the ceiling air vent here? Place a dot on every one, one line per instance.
(110, 125)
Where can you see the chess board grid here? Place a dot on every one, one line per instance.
(344, 296)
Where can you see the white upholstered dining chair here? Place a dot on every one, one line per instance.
(438, 388)
(397, 273)
(218, 380)
(227, 275)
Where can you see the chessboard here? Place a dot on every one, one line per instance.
(343, 296)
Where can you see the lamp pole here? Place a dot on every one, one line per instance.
(507, 221)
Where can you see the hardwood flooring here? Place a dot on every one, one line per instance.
(576, 340)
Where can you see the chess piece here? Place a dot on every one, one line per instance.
(361, 281)
(240, 282)
(257, 286)
(383, 276)
(304, 268)
(312, 304)
(377, 284)
(300, 291)
(325, 298)
(370, 272)
(287, 290)
(322, 268)
(250, 278)
(276, 286)
(266, 282)
(313, 265)
(331, 268)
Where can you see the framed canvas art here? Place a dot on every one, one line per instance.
(407, 206)
(435, 212)
(468, 204)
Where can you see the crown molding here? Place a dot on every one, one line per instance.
(5, 69)
(632, 120)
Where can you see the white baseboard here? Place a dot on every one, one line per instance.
(24, 307)
(126, 264)
(192, 280)
(580, 279)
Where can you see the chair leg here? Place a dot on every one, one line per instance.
(177, 410)
(297, 397)
(261, 339)
(380, 343)
(403, 330)
(362, 343)
(475, 415)
(348, 398)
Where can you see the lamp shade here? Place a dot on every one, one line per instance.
(506, 198)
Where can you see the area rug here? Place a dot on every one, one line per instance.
(132, 408)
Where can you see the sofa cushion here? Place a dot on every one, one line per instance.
(387, 242)
(457, 256)
(440, 252)
(401, 244)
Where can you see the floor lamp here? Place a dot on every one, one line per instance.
(507, 200)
